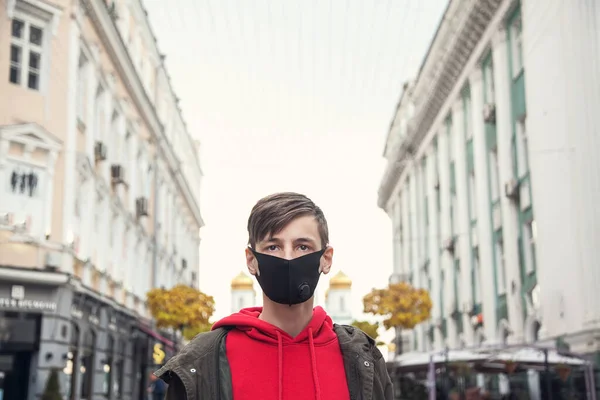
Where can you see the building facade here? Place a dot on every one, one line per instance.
(99, 200)
(243, 294)
(338, 299)
(491, 181)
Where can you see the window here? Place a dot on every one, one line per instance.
(342, 304)
(240, 303)
(521, 144)
(516, 46)
(494, 174)
(477, 278)
(82, 88)
(107, 368)
(500, 266)
(24, 181)
(100, 115)
(489, 90)
(529, 234)
(87, 366)
(468, 122)
(26, 51)
(472, 197)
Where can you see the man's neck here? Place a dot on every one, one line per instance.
(290, 319)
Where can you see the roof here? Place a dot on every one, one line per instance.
(242, 281)
(340, 281)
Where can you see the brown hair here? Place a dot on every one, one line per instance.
(273, 213)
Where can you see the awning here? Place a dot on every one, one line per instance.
(150, 332)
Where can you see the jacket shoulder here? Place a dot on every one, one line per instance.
(192, 353)
(351, 337)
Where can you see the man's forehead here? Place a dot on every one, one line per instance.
(280, 238)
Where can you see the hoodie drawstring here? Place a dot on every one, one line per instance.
(313, 360)
(280, 362)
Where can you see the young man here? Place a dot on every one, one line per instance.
(286, 350)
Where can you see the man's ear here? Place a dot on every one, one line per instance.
(326, 260)
(252, 263)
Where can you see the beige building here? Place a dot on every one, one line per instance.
(100, 191)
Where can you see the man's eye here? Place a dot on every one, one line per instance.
(272, 247)
(303, 247)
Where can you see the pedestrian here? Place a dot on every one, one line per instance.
(285, 350)
(157, 388)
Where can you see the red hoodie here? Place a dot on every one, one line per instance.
(268, 364)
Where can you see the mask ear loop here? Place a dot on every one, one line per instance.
(257, 267)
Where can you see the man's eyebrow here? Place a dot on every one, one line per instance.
(305, 240)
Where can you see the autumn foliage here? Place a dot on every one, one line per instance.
(181, 307)
(367, 327)
(402, 305)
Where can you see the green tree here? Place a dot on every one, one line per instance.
(52, 389)
(181, 307)
(402, 305)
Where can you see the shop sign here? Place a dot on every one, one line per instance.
(158, 354)
(19, 301)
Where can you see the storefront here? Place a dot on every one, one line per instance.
(30, 302)
(153, 350)
(48, 321)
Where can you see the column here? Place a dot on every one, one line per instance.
(482, 199)
(49, 202)
(510, 228)
(406, 232)
(414, 237)
(70, 143)
(463, 245)
(445, 258)
(434, 248)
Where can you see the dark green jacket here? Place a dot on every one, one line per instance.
(201, 371)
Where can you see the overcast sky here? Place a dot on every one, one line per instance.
(293, 95)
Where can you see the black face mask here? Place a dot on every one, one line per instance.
(288, 281)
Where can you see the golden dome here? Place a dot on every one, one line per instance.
(340, 281)
(242, 282)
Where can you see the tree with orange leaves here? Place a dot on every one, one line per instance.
(402, 305)
(181, 307)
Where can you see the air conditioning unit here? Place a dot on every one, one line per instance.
(22, 227)
(450, 244)
(141, 207)
(6, 219)
(511, 189)
(52, 260)
(117, 173)
(489, 113)
(100, 151)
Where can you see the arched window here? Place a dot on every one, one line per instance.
(72, 364)
(87, 365)
(342, 304)
(108, 366)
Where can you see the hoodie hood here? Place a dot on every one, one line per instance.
(318, 332)
(320, 327)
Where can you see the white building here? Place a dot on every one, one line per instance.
(338, 299)
(99, 201)
(243, 294)
(492, 177)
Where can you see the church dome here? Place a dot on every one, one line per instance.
(242, 282)
(340, 281)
